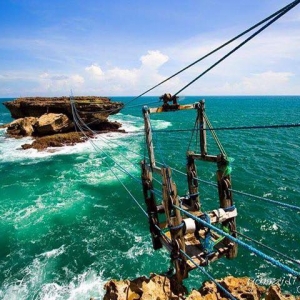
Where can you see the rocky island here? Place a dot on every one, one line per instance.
(50, 121)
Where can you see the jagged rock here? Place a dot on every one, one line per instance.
(242, 288)
(57, 140)
(162, 288)
(22, 127)
(51, 123)
(155, 287)
(274, 293)
(194, 295)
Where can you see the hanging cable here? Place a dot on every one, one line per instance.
(220, 146)
(195, 129)
(286, 205)
(283, 204)
(259, 127)
(289, 6)
(283, 12)
(267, 247)
(77, 118)
(293, 125)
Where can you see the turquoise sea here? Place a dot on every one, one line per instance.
(67, 224)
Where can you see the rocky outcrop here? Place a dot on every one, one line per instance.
(51, 123)
(88, 106)
(42, 117)
(22, 127)
(274, 293)
(57, 140)
(155, 287)
(162, 288)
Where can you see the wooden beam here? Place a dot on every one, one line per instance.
(170, 107)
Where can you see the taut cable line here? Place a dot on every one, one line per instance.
(282, 12)
(279, 12)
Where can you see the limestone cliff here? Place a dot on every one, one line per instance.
(90, 107)
(47, 117)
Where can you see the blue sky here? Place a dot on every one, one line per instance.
(111, 48)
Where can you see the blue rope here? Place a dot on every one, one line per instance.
(199, 267)
(239, 242)
(174, 228)
(286, 205)
(208, 275)
(268, 200)
(156, 192)
(206, 241)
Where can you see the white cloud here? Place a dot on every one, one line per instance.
(116, 80)
(94, 70)
(154, 59)
(267, 65)
(59, 83)
(77, 79)
(126, 75)
(268, 83)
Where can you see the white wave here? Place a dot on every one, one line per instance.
(129, 123)
(139, 249)
(11, 150)
(272, 228)
(25, 213)
(54, 253)
(267, 195)
(132, 123)
(100, 206)
(83, 286)
(160, 124)
(32, 283)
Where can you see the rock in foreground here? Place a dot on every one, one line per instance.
(162, 288)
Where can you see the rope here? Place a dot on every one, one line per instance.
(228, 294)
(134, 199)
(286, 205)
(241, 243)
(276, 126)
(96, 147)
(283, 204)
(267, 247)
(111, 169)
(283, 12)
(195, 129)
(198, 266)
(259, 127)
(215, 136)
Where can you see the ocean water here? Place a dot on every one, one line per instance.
(67, 224)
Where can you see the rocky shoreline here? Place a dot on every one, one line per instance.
(162, 288)
(49, 120)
